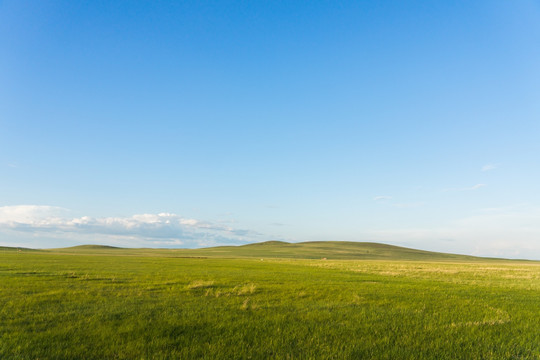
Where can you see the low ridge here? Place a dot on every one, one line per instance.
(342, 250)
(94, 247)
(11, 248)
(330, 250)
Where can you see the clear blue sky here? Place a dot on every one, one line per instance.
(415, 123)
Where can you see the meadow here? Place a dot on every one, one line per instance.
(363, 301)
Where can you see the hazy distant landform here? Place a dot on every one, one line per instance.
(329, 250)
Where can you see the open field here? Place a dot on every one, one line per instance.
(371, 301)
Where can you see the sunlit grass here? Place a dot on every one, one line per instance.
(131, 307)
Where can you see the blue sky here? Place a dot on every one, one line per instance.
(186, 124)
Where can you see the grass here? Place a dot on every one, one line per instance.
(103, 303)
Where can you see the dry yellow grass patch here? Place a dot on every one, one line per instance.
(199, 284)
(246, 289)
(245, 304)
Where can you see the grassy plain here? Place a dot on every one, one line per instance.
(108, 303)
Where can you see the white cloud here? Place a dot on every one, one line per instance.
(505, 232)
(140, 229)
(382, 197)
(470, 188)
(475, 187)
(489, 167)
(28, 213)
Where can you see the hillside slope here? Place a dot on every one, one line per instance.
(326, 249)
(337, 250)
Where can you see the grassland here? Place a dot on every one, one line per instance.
(363, 301)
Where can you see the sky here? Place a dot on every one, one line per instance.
(189, 124)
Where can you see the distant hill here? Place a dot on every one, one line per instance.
(92, 247)
(331, 250)
(10, 248)
(341, 250)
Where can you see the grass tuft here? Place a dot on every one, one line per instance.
(200, 284)
(246, 289)
(245, 304)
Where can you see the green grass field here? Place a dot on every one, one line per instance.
(266, 301)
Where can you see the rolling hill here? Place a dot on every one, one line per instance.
(331, 250)
(336, 250)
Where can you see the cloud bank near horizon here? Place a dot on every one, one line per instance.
(512, 232)
(163, 229)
